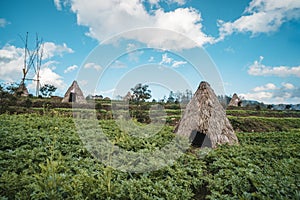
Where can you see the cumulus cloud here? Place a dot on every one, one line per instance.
(3, 22)
(270, 93)
(259, 69)
(268, 86)
(50, 64)
(51, 49)
(57, 4)
(48, 76)
(258, 96)
(156, 2)
(106, 18)
(288, 86)
(165, 59)
(178, 63)
(179, 2)
(106, 92)
(262, 16)
(12, 62)
(70, 69)
(118, 65)
(92, 66)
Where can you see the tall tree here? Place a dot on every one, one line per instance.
(47, 90)
(140, 93)
(171, 97)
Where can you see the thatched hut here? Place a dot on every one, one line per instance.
(204, 120)
(74, 94)
(127, 97)
(22, 90)
(235, 101)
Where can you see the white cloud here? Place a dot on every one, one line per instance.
(12, 61)
(92, 66)
(48, 76)
(131, 47)
(170, 61)
(133, 52)
(270, 93)
(262, 16)
(288, 86)
(106, 18)
(50, 64)
(51, 49)
(178, 63)
(268, 86)
(70, 69)
(3, 22)
(153, 1)
(259, 69)
(57, 4)
(165, 59)
(111, 91)
(179, 2)
(258, 96)
(156, 2)
(118, 65)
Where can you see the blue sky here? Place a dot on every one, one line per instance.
(249, 47)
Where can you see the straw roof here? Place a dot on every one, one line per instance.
(235, 100)
(22, 90)
(127, 97)
(74, 94)
(204, 120)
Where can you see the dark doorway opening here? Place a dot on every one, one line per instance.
(72, 97)
(239, 103)
(199, 139)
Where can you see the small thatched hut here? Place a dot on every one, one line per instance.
(22, 90)
(235, 101)
(74, 94)
(204, 120)
(127, 97)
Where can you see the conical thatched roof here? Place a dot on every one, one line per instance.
(204, 120)
(74, 94)
(22, 90)
(235, 100)
(127, 97)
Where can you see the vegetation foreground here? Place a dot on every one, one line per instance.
(42, 157)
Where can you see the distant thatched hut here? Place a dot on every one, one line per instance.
(127, 97)
(204, 120)
(22, 90)
(74, 94)
(235, 101)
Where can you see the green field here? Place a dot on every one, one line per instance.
(42, 157)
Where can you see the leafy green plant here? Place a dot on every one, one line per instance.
(43, 157)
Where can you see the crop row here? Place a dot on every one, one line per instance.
(43, 157)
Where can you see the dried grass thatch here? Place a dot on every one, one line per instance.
(74, 94)
(204, 120)
(235, 101)
(127, 97)
(22, 90)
